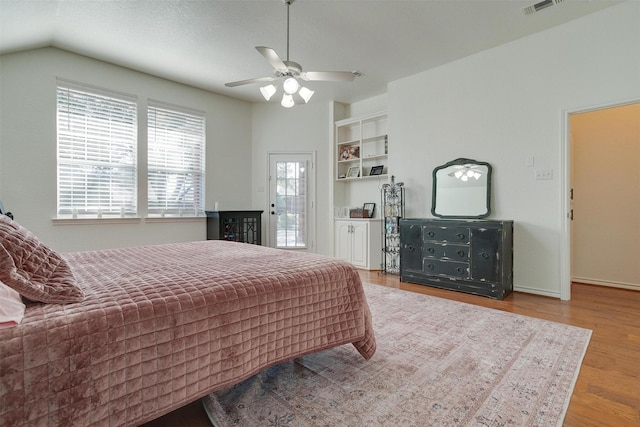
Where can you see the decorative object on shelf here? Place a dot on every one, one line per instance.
(368, 209)
(349, 153)
(356, 213)
(393, 210)
(291, 71)
(353, 172)
(376, 170)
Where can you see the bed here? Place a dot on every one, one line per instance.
(127, 335)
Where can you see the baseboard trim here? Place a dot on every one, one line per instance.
(552, 294)
(611, 284)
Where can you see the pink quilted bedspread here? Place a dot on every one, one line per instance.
(162, 326)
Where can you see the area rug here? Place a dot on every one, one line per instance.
(438, 363)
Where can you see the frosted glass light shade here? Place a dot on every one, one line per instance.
(287, 101)
(290, 86)
(268, 91)
(306, 94)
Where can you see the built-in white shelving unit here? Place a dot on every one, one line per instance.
(362, 147)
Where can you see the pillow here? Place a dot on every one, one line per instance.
(11, 307)
(31, 268)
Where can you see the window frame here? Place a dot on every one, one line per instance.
(74, 157)
(192, 168)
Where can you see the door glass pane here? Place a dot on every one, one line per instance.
(291, 204)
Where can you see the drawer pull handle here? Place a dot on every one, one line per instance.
(484, 255)
(431, 250)
(460, 253)
(460, 236)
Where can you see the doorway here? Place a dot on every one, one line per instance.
(291, 201)
(603, 152)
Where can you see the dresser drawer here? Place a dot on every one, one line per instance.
(446, 251)
(439, 267)
(446, 234)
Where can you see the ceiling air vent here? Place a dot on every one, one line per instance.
(537, 7)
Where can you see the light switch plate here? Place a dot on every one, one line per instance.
(544, 174)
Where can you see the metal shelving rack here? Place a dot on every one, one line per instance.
(393, 209)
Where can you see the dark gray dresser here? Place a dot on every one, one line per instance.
(474, 256)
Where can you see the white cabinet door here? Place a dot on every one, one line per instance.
(360, 244)
(343, 240)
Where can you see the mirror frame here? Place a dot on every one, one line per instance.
(461, 161)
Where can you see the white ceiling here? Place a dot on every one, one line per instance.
(206, 43)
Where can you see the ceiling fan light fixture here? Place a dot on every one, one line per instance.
(291, 71)
(268, 91)
(290, 86)
(287, 101)
(306, 94)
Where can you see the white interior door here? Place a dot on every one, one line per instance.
(291, 201)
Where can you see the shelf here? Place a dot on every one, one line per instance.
(351, 142)
(361, 142)
(378, 156)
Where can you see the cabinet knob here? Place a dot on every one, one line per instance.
(431, 234)
(460, 236)
(431, 266)
(460, 270)
(410, 248)
(431, 250)
(460, 253)
(484, 255)
(273, 213)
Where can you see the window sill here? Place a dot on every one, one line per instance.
(126, 220)
(175, 219)
(93, 221)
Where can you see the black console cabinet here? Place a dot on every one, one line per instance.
(474, 256)
(237, 226)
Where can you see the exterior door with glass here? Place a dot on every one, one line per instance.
(291, 201)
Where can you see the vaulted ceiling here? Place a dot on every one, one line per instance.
(206, 43)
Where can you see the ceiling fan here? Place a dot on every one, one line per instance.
(290, 71)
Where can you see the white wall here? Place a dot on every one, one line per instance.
(303, 128)
(505, 105)
(28, 146)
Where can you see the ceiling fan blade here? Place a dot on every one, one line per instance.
(331, 76)
(249, 81)
(272, 57)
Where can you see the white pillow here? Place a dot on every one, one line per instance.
(11, 307)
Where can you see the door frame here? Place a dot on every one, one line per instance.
(311, 197)
(565, 190)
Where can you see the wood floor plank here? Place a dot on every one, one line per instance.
(607, 392)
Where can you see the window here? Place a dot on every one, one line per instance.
(97, 138)
(176, 163)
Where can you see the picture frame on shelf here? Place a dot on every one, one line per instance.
(353, 172)
(350, 152)
(376, 170)
(368, 209)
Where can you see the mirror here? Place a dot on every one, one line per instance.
(462, 189)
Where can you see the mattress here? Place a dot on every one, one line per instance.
(161, 326)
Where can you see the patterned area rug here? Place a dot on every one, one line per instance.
(438, 363)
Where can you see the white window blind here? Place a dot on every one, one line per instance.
(176, 162)
(97, 138)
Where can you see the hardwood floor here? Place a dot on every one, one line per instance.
(607, 392)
